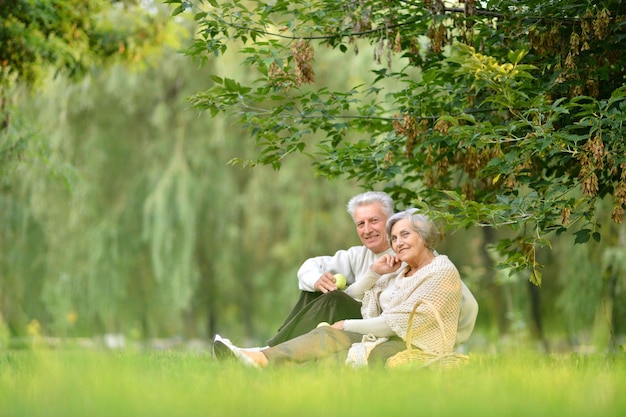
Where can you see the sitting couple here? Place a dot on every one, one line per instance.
(370, 318)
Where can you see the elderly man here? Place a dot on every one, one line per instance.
(319, 302)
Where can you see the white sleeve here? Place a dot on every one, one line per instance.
(342, 261)
(375, 326)
(467, 318)
(364, 283)
(309, 273)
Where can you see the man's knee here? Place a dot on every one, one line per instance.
(337, 297)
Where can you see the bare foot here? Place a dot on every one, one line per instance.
(258, 357)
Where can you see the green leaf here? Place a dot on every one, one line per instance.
(596, 236)
(178, 10)
(582, 236)
(516, 56)
(536, 277)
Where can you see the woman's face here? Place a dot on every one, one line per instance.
(407, 243)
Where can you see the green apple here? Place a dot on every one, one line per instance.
(340, 281)
(322, 324)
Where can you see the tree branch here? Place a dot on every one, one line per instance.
(450, 10)
(319, 37)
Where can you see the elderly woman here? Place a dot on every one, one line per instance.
(389, 291)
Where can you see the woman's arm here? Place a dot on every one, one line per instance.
(386, 264)
(375, 326)
(364, 283)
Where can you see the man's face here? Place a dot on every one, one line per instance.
(370, 225)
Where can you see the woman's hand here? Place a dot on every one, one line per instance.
(338, 325)
(386, 264)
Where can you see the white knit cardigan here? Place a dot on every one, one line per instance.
(437, 283)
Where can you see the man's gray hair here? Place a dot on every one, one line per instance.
(371, 197)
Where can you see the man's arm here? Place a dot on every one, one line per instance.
(350, 262)
(313, 268)
(467, 317)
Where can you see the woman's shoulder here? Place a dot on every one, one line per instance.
(443, 260)
(439, 261)
(444, 264)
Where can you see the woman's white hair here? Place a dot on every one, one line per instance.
(420, 223)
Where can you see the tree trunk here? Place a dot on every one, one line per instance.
(498, 301)
(536, 316)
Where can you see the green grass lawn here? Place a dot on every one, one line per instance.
(173, 383)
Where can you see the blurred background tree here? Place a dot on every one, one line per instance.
(120, 214)
(45, 42)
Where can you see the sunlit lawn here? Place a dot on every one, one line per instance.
(174, 383)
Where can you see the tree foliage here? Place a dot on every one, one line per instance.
(70, 36)
(500, 113)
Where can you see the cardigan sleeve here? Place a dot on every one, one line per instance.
(364, 283)
(375, 326)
